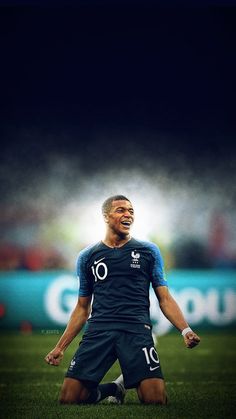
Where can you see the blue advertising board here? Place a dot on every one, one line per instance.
(46, 299)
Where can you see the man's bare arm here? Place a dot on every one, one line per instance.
(173, 313)
(77, 320)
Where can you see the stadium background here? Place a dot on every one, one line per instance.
(93, 107)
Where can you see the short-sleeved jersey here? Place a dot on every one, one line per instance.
(119, 280)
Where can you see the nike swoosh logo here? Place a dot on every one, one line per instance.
(96, 261)
(154, 368)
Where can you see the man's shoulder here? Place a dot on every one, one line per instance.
(148, 245)
(89, 250)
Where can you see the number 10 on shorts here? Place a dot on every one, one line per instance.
(151, 356)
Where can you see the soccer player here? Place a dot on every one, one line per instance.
(116, 273)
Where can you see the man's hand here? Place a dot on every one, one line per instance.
(54, 357)
(191, 339)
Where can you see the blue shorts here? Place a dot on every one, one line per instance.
(98, 351)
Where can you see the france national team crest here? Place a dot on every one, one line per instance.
(72, 364)
(135, 259)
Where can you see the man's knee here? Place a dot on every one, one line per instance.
(152, 391)
(73, 392)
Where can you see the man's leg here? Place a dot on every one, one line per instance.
(74, 392)
(92, 360)
(152, 391)
(141, 367)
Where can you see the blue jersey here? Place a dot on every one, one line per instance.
(119, 280)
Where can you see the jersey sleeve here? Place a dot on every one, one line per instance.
(85, 288)
(157, 272)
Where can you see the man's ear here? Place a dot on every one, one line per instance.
(105, 218)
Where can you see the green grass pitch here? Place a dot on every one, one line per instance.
(201, 383)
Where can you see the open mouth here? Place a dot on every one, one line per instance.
(126, 223)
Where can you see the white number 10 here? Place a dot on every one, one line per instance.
(103, 271)
(151, 353)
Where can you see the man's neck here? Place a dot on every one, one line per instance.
(116, 241)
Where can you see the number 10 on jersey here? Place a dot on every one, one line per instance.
(100, 271)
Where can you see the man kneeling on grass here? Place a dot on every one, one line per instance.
(117, 273)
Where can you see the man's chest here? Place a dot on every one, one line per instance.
(118, 263)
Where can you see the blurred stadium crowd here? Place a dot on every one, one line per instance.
(23, 246)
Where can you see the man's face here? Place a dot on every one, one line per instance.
(120, 217)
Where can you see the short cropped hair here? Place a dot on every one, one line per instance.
(106, 206)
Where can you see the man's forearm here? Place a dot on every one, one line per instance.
(74, 326)
(172, 312)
